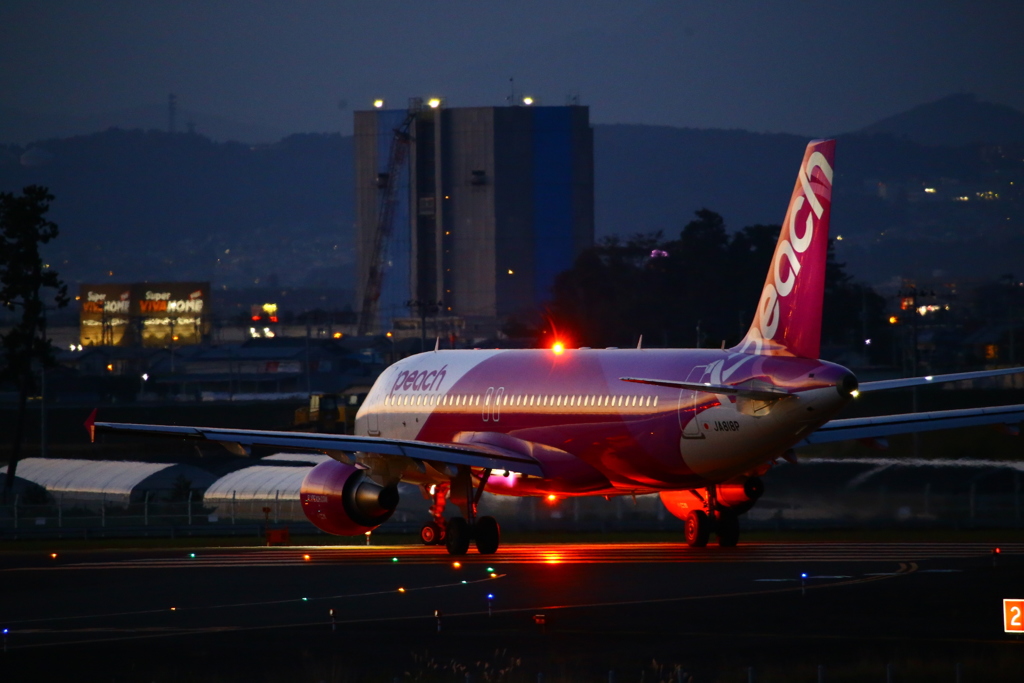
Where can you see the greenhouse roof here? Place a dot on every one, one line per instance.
(258, 482)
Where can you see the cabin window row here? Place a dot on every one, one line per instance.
(577, 401)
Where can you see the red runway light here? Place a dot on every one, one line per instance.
(306, 558)
(53, 555)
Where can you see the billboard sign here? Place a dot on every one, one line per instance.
(105, 314)
(154, 314)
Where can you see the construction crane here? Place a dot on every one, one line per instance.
(388, 184)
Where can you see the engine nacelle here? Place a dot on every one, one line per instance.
(738, 495)
(340, 499)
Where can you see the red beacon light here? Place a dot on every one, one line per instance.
(558, 348)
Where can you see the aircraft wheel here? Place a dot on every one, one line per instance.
(431, 533)
(697, 529)
(456, 537)
(728, 530)
(487, 535)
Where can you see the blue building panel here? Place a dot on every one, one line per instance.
(552, 197)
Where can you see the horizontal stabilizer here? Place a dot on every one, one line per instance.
(884, 384)
(760, 394)
(908, 423)
(241, 440)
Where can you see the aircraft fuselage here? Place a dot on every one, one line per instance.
(637, 437)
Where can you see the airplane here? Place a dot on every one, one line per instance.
(699, 427)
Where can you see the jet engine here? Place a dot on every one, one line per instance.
(340, 499)
(739, 495)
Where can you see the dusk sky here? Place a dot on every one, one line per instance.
(810, 68)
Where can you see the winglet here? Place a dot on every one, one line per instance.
(90, 425)
(437, 343)
(640, 342)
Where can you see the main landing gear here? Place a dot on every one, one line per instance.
(715, 518)
(458, 532)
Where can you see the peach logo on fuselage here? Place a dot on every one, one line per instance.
(419, 380)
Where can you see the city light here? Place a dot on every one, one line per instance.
(434, 102)
(527, 100)
(378, 104)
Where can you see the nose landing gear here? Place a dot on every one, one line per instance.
(433, 532)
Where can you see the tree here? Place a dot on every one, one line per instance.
(701, 288)
(23, 277)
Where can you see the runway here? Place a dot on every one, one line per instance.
(546, 553)
(192, 606)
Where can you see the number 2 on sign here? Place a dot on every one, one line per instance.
(1012, 611)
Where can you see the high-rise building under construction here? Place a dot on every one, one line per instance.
(469, 212)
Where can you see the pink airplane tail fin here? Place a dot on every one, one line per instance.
(788, 318)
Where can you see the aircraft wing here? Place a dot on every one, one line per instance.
(933, 379)
(888, 425)
(240, 442)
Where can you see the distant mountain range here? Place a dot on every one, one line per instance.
(21, 127)
(954, 121)
(148, 204)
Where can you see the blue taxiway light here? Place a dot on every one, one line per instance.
(490, 596)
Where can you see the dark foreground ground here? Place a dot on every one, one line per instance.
(623, 612)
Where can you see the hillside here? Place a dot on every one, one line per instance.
(954, 121)
(153, 205)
